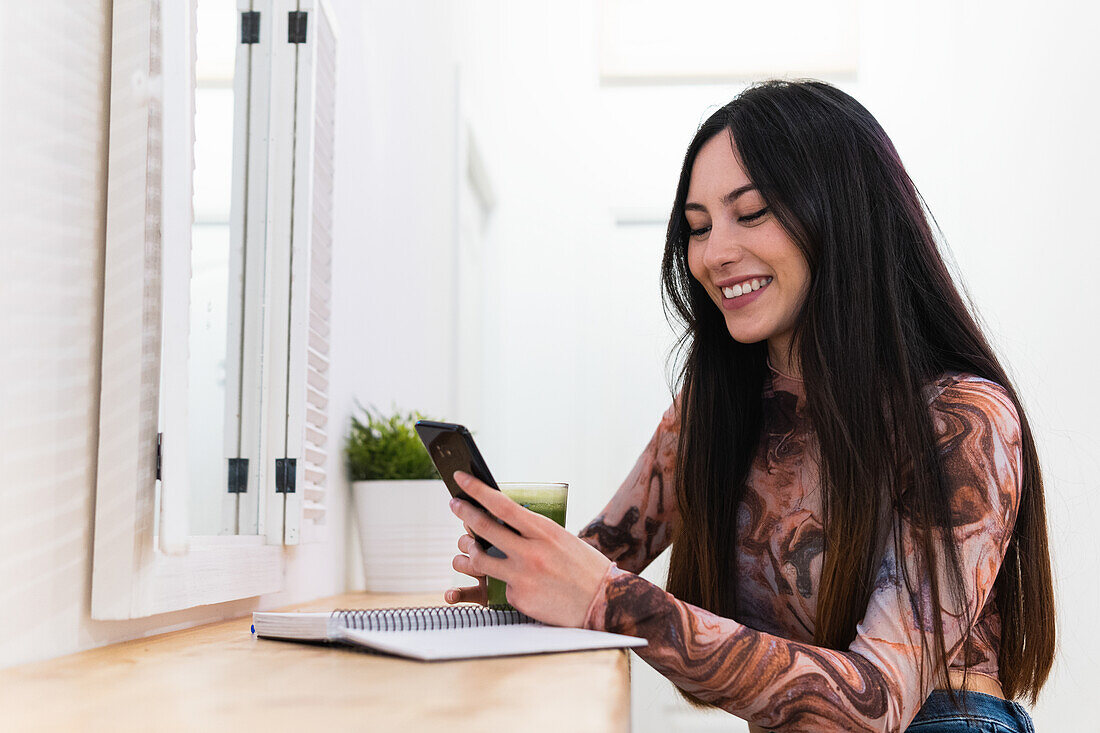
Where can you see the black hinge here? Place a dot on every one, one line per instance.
(238, 476)
(296, 26)
(250, 26)
(159, 437)
(285, 472)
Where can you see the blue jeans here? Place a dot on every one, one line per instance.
(988, 714)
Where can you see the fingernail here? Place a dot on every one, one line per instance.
(454, 505)
(461, 477)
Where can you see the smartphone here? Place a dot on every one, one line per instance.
(452, 448)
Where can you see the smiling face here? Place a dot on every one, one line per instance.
(737, 250)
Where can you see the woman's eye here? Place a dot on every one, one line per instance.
(747, 219)
(753, 217)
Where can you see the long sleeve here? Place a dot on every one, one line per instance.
(873, 685)
(635, 526)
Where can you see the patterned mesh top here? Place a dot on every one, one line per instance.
(762, 665)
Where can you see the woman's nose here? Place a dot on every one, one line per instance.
(723, 248)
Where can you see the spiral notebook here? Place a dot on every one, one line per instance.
(436, 632)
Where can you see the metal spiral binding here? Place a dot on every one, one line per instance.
(429, 618)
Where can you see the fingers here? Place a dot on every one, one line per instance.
(497, 504)
(477, 563)
(467, 544)
(482, 525)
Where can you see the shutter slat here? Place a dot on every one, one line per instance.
(322, 288)
(318, 308)
(318, 381)
(315, 436)
(317, 362)
(317, 343)
(319, 326)
(316, 418)
(317, 399)
(313, 510)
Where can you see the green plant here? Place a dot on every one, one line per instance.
(386, 448)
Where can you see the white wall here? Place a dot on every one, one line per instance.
(989, 105)
(394, 266)
(393, 283)
(1000, 132)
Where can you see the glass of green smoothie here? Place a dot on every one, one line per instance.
(547, 499)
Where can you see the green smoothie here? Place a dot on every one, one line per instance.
(549, 500)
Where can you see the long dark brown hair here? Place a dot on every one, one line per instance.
(835, 183)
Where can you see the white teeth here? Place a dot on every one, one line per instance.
(746, 287)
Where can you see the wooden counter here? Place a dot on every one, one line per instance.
(220, 677)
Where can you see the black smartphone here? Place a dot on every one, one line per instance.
(452, 448)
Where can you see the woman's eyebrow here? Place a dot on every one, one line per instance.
(728, 199)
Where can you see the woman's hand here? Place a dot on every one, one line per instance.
(552, 575)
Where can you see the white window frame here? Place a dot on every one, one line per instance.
(131, 578)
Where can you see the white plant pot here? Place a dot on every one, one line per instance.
(408, 535)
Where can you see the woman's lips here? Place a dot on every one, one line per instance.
(741, 301)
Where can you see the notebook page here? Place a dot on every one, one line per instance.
(301, 626)
(496, 641)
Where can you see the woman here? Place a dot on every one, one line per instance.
(847, 477)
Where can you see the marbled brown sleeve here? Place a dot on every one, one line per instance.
(782, 684)
(635, 526)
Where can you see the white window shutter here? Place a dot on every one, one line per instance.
(130, 388)
(311, 270)
(244, 513)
